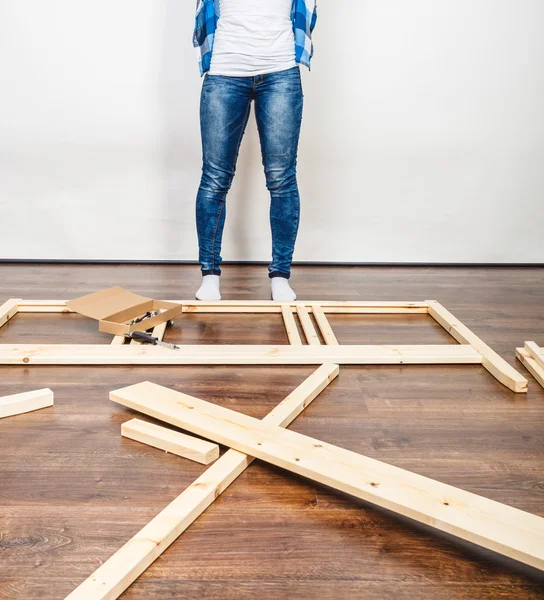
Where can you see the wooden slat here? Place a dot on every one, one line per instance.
(324, 326)
(126, 565)
(40, 306)
(171, 441)
(17, 404)
(494, 363)
(290, 326)
(256, 306)
(531, 365)
(536, 352)
(118, 340)
(308, 327)
(501, 528)
(8, 310)
(95, 354)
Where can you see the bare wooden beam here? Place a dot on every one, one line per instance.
(39, 306)
(498, 527)
(290, 326)
(98, 354)
(324, 326)
(17, 404)
(494, 363)
(256, 306)
(250, 306)
(127, 564)
(531, 365)
(8, 310)
(307, 326)
(171, 441)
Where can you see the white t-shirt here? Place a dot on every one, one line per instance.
(253, 37)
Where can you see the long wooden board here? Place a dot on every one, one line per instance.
(175, 442)
(130, 354)
(127, 564)
(495, 526)
(17, 404)
(256, 306)
(494, 363)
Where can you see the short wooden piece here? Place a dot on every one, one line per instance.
(308, 327)
(494, 363)
(501, 528)
(127, 564)
(531, 365)
(17, 404)
(171, 441)
(9, 309)
(132, 354)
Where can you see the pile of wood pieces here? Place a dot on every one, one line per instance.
(532, 356)
(492, 525)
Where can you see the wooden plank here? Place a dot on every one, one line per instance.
(268, 306)
(256, 306)
(118, 340)
(536, 352)
(98, 354)
(40, 306)
(501, 528)
(127, 564)
(494, 363)
(308, 327)
(531, 365)
(8, 310)
(17, 404)
(290, 326)
(324, 326)
(171, 441)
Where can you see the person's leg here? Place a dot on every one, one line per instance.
(224, 111)
(278, 110)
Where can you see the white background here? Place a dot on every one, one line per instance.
(423, 134)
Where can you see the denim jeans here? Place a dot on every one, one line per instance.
(224, 111)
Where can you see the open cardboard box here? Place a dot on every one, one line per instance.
(115, 307)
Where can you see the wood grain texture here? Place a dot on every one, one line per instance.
(266, 532)
(117, 573)
(498, 527)
(143, 354)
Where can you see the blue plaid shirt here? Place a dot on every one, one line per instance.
(303, 16)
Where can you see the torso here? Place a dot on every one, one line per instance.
(253, 37)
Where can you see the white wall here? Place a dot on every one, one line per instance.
(423, 134)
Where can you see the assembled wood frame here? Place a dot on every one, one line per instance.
(471, 349)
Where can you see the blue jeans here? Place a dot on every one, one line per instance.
(224, 111)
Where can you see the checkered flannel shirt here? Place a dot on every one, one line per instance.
(303, 17)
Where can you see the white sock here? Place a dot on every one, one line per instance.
(281, 290)
(209, 290)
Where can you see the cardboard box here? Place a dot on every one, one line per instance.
(115, 307)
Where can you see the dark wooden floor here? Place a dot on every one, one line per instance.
(72, 491)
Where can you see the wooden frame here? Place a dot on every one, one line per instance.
(114, 576)
(472, 350)
(498, 527)
(532, 357)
